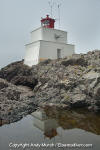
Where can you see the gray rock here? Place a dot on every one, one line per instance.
(69, 82)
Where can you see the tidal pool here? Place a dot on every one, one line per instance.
(51, 128)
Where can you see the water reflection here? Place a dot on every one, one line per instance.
(44, 123)
(48, 120)
(51, 125)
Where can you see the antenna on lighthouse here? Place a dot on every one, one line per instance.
(59, 5)
(51, 4)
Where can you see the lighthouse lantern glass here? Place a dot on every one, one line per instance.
(48, 22)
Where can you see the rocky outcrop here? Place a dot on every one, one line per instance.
(14, 102)
(19, 74)
(68, 83)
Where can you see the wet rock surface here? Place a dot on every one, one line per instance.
(67, 83)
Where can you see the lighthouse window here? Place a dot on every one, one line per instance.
(58, 53)
(46, 22)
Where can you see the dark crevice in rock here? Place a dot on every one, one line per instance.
(73, 62)
(27, 83)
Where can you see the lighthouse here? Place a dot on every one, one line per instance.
(47, 43)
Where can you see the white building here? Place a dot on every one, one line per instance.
(47, 43)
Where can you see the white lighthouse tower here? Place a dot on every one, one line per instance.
(47, 43)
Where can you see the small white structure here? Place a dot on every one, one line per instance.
(47, 43)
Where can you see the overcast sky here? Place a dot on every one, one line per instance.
(80, 18)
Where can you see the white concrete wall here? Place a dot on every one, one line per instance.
(32, 54)
(36, 35)
(48, 34)
(49, 50)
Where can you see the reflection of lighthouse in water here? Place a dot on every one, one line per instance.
(45, 124)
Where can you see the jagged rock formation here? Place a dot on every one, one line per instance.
(69, 83)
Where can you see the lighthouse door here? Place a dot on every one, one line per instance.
(58, 53)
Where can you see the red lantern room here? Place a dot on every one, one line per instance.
(47, 22)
